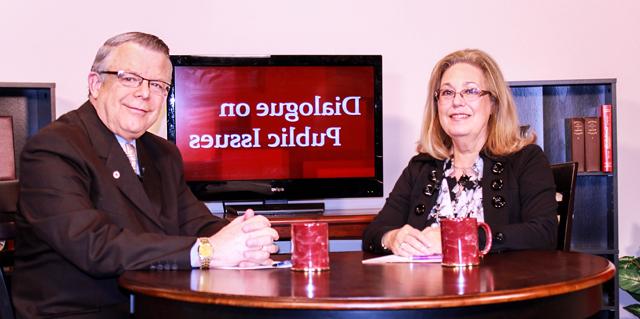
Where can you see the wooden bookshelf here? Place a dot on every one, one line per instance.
(544, 105)
(31, 105)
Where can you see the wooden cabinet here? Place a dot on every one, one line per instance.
(544, 105)
(343, 224)
(31, 105)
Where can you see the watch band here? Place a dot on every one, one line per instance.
(205, 252)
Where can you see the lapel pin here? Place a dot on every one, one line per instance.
(116, 174)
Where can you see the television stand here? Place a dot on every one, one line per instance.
(275, 208)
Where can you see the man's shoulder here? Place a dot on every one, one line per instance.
(75, 132)
(157, 145)
(66, 128)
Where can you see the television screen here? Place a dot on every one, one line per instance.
(278, 127)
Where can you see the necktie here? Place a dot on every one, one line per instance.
(130, 151)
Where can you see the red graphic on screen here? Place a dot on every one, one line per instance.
(275, 122)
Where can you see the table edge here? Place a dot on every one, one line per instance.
(502, 296)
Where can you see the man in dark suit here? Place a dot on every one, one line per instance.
(100, 195)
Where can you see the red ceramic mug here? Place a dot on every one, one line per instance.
(459, 238)
(310, 246)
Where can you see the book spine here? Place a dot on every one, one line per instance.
(575, 141)
(607, 136)
(7, 160)
(592, 144)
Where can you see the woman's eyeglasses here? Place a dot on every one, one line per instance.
(470, 95)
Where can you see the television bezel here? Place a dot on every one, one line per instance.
(279, 190)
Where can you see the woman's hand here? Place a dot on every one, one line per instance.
(408, 241)
(433, 238)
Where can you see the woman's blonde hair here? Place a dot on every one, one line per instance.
(502, 139)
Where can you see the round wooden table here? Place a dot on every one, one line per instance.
(523, 284)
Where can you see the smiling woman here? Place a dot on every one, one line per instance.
(464, 118)
(472, 163)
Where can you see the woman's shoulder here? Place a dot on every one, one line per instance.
(420, 162)
(422, 159)
(529, 156)
(529, 150)
(525, 153)
(419, 167)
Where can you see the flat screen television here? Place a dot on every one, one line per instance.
(278, 128)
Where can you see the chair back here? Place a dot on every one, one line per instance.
(8, 208)
(565, 175)
(7, 233)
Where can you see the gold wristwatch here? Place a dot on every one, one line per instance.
(205, 252)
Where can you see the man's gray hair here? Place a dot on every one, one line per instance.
(145, 40)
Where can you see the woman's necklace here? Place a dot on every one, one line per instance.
(468, 175)
(464, 170)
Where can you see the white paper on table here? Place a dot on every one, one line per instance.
(436, 258)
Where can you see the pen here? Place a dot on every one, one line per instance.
(427, 257)
(281, 264)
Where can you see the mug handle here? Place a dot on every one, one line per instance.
(487, 232)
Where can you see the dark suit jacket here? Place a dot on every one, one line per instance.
(85, 217)
(526, 221)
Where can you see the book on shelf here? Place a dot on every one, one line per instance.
(607, 137)
(592, 144)
(575, 141)
(7, 160)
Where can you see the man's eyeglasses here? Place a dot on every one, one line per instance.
(470, 95)
(133, 80)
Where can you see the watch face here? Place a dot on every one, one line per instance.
(205, 249)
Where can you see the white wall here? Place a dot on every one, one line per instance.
(55, 41)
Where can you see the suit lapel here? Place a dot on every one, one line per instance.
(128, 183)
(152, 182)
(150, 175)
(106, 146)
